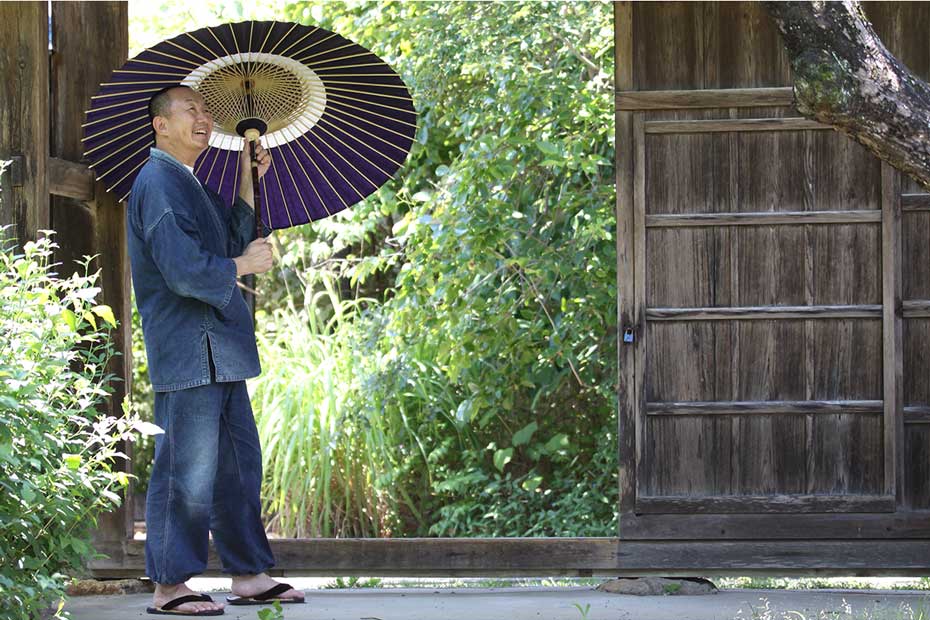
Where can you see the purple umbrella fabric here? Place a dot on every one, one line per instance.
(340, 120)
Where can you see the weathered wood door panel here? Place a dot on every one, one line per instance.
(762, 341)
(774, 284)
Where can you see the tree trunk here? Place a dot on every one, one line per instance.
(844, 76)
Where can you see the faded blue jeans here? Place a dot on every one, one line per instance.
(206, 478)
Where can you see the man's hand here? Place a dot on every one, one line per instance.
(257, 258)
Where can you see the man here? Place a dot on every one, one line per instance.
(186, 250)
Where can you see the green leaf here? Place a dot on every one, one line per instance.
(105, 313)
(502, 457)
(523, 435)
(531, 483)
(69, 318)
(73, 461)
(147, 428)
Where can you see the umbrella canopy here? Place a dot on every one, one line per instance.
(338, 121)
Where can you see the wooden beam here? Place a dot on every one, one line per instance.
(71, 180)
(915, 202)
(765, 503)
(731, 124)
(626, 308)
(704, 98)
(765, 218)
(772, 407)
(863, 526)
(892, 330)
(91, 39)
(862, 311)
(565, 556)
(24, 121)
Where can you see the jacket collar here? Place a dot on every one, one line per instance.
(160, 155)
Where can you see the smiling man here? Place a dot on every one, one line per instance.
(186, 250)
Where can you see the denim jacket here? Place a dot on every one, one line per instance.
(181, 239)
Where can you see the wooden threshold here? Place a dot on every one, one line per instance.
(563, 556)
(856, 526)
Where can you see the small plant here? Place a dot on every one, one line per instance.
(672, 588)
(275, 612)
(583, 610)
(353, 582)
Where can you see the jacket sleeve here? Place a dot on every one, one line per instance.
(242, 227)
(176, 248)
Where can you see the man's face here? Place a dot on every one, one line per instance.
(188, 125)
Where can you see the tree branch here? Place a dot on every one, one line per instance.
(844, 76)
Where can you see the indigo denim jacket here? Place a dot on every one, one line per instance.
(182, 238)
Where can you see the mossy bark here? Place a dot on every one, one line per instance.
(845, 76)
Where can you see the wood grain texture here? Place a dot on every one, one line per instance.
(770, 503)
(24, 121)
(703, 98)
(852, 216)
(708, 313)
(567, 556)
(734, 124)
(756, 407)
(88, 219)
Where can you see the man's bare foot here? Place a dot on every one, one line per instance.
(250, 585)
(167, 592)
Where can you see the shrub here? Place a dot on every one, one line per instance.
(57, 451)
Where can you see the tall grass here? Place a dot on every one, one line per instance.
(327, 461)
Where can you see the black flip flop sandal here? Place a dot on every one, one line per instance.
(167, 608)
(265, 598)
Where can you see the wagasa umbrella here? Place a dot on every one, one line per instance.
(337, 120)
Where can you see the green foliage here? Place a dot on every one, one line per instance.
(342, 583)
(58, 453)
(275, 612)
(441, 358)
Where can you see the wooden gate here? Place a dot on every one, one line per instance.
(775, 283)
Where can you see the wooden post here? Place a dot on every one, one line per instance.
(24, 118)
(90, 40)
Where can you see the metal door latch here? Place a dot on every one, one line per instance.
(628, 334)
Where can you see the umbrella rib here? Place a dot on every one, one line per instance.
(128, 92)
(107, 118)
(323, 176)
(200, 43)
(132, 120)
(110, 189)
(223, 174)
(97, 164)
(235, 66)
(370, 94)
(191, 52)
(287, 209)
(161, 64)
(380, 105)
(368, 84)
(96, 148)
(365, 176)
(261, 49)
(338, 171)
(365, 131)
(338, 58)
(149, 72)
(284, 51)
(363, 64)
(312, 45)
(349, 146)
(331, 50)
(264, 191)
(166, 54)
(309, 180)
(127, 158)
(332, 111)
(297, 189)
(354, 107)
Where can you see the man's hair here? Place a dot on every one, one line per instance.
(160, 102)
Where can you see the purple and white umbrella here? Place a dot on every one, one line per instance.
(336, 119)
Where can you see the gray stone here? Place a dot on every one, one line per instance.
(658, 586)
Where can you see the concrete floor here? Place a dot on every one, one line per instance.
(549, 603)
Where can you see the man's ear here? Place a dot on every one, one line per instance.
(159, 124)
